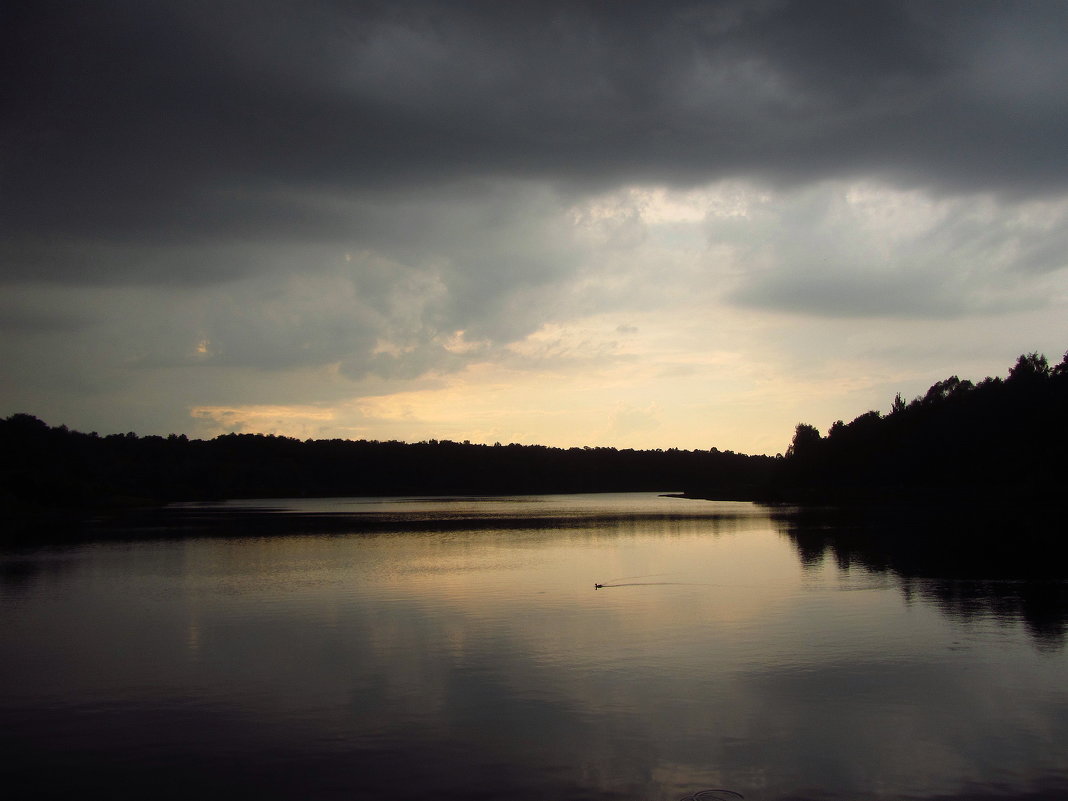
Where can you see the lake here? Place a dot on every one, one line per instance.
(459, 649)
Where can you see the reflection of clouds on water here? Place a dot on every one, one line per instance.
(481, 662)
(193, 638)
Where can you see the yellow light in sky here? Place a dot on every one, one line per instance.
(290, 421)
(651, 347)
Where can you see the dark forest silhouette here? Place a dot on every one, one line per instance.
(55, 469)
(960, 493)
(1001, 441)
(1003, 436)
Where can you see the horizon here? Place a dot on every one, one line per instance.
(1041, 357)
(432, 441)
(570, 224)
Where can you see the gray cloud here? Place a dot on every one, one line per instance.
(143, 142)
(130, 122)
(193, 193)
(889, 255)
(490, 265)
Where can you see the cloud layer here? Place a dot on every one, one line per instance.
(382, 195)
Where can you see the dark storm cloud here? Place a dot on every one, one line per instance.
(147, 124)
(398, 189)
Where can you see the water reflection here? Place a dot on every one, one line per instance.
(476, 660)
(970, 566)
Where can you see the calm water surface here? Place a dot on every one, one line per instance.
(458, 649)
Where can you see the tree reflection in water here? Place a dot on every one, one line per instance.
(987, 562)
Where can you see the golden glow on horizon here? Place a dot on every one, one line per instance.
(649, 346)
(571, 385)
(290, 421)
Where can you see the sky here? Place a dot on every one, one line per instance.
(670, 225)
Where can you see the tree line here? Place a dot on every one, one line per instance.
(1006, 436)
(53, 467)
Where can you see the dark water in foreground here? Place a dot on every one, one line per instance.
(459, 650)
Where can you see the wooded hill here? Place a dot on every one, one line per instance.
(1006, 437)
(45, 466)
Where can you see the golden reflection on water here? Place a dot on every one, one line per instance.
(449, 660)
